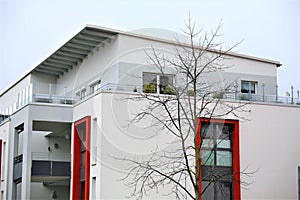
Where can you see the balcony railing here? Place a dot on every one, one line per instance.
(59, 94)
(50, 164)
(51, 156)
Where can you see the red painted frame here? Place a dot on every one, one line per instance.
(235, 152)
(76, 159)
(0, 160)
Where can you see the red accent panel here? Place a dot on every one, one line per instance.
(236, 161)
(87, 160)
(76, 160)
(235, 152)
(0, 159)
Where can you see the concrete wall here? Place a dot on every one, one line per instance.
(28, 141)
(4, 136)
(39, 191)
(10, 97)
(269, 147)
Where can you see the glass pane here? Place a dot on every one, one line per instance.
(252, 88)
(218, 130)
(222, 143)
(207, 157)
(166, 84)
(224, 190)
(224, 158)
(149, 78)
(207, 143)
(207, 131)
(209, 190)
(149, 82)
(245, 87)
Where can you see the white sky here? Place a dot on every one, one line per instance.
(33, 30)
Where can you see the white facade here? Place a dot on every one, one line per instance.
(85, 84)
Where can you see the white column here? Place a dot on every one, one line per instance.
(26, 168)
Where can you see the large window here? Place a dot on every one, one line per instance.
(219, 159)
(158, 83)
(81, 159)
(216, 145)
(248, 87)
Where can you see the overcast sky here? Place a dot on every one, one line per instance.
(33, 30)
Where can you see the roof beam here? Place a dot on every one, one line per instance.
(98, 33)
(86, 37)
(60, 70)
(80, 46)
(52, 64)
(92, 37)
(75, 53)
(86, 42)
(66, 58)
(61, 61)
(48, 71)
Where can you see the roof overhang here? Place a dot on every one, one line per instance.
(74, 51)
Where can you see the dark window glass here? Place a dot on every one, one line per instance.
(216, 155)
(248, 87)
(158, 83)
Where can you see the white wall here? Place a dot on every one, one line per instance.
(40, 191)
(10, 97)
(269, 146)
(4, 136)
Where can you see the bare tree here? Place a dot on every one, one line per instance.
(177, 110)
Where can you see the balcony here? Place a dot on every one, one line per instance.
(59, 94)
(45, 167)
(50, 168)
(237, 96)
(17, 169)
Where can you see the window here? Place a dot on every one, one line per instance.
(94, 87)
(158, 83)
(81, 94)
(81, 159)
(248, 87)
(219, 158)
(216, 145)
(298, 182)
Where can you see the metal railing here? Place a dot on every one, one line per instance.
(60, 94)
(51, 156)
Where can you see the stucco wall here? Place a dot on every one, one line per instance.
(10, 97)
(269, 146)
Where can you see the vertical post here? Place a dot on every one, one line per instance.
(292, 93)
(235, 90)
(26, 165)
(65, 94)
(30, 92)
(263, 90)
(158, 84)
(276, 93)
(50, 91)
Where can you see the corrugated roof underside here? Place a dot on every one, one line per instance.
(73, 52)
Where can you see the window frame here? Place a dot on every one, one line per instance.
(157, 86)
(249, 89)
(236, 190)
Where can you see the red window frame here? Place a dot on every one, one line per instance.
(0, 160)
(235, 151)
(76, 190)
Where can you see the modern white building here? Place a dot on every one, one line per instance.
(65, 120)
